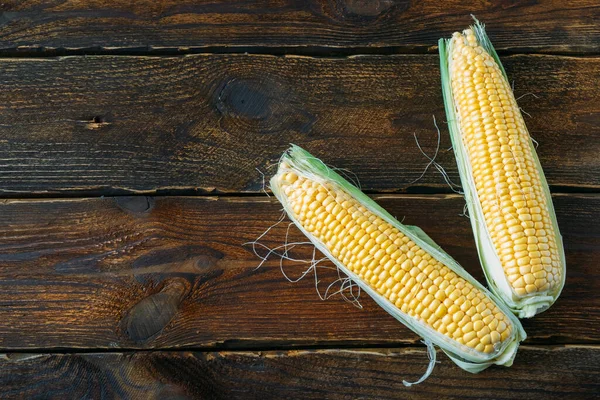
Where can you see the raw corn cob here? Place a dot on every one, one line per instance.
(404, 271)
(509, 203)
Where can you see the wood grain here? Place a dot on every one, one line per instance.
(570, 372)
(314, 25)
(106, 125)
(166, 272)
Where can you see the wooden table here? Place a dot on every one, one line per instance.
(131, 134)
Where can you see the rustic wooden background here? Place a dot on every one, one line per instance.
(130, 135)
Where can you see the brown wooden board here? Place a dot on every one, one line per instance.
(113, 125)
(570, 372)
(166, 272)
(315, 25)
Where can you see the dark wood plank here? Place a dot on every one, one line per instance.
(571, 372)
(113, 125)
(545, 26)
(171, 272)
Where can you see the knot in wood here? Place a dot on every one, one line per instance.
(147, 318)
(371, 8)
(135, 204)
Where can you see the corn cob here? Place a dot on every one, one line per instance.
(511, 210)
(399, 266)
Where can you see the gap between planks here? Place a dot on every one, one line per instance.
(425, 190)
(298, 51)
(260, 349)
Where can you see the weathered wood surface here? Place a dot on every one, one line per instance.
(137, 272)
(571, 372)
(141, 276)
(112, 125)
(543, 26)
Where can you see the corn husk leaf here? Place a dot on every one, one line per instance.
(526, 306)
(303, 163)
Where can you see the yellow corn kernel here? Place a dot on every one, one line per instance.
(391, 263)
(506, 179)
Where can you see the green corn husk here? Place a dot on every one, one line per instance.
(304, 164)
(523, 306)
